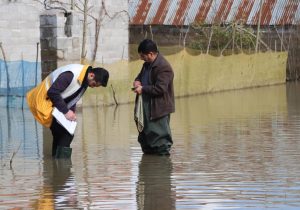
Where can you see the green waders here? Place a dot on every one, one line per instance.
(156, 136)
(61, 141)
(63, 152)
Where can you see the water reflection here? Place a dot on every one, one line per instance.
(154, 188)
(293, 99)
(59, 186)
(19, 132)
(240, 149)
(20, 157)
(237, 149)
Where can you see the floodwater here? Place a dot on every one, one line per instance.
(232, 150)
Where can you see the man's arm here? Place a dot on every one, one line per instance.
(59, 85)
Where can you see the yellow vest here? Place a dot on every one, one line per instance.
(38, 101)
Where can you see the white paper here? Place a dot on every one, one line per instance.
(69, 125)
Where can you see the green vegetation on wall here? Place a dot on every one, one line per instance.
(218, 39)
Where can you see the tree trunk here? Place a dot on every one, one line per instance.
(83, 47)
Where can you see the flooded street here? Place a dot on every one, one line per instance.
(232, 150)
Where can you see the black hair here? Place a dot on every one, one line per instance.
(147, 46)
(101, 75)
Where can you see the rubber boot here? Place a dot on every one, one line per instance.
(63, 152)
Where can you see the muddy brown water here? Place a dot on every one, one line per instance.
(232, 150)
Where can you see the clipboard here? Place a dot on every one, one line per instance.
(69, 125)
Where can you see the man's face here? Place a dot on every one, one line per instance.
(148, 57)
(92, 82)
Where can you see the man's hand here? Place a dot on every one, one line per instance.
(138, 89)
(136, 83)
(70, 115)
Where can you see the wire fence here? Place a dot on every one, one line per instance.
(16, 78)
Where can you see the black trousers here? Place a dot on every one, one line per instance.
(61, 137)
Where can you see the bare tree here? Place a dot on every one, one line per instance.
(99, 21)
(258, 25)
(85, 8)
(84, 27)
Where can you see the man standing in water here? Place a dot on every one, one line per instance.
(155, 92)
(62, 89)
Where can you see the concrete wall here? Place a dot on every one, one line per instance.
(114, 36)
(19, 29)
(48, 47)
(23, 24)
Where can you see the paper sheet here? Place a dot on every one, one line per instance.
(69, 125)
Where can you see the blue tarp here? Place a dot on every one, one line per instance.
(16, 78)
